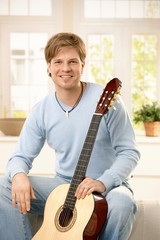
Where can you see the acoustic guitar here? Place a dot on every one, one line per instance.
(65, 217)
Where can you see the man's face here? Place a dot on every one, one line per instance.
(66, 68)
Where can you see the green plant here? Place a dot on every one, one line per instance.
(147, 113)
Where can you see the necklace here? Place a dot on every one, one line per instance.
(75, 105)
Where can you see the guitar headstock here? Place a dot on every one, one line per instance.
(108, 96)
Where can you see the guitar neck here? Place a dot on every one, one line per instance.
(105, 102)
(80, 171)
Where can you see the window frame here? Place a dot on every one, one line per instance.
(122, 29)
(23, 24)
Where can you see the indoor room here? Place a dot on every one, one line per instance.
(122, 38)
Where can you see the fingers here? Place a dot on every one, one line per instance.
(22, 204)
(22, 191)
(22, 201)
(82, 191)
(88, 186)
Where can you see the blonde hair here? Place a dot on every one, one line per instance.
(64, 40)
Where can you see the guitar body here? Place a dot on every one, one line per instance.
(85, 223)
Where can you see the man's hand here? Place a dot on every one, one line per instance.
(87, 186)
(22, 191)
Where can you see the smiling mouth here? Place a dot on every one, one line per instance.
(66, 76)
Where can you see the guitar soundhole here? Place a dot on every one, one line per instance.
(65, 219)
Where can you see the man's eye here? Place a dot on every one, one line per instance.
(56, 62)
(73, 61)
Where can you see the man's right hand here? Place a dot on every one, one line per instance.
(22, 191)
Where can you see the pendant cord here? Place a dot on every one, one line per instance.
(76, 103)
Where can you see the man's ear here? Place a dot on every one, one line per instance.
(83, 64)
(48, 69)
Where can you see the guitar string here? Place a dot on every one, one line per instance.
(67, 211)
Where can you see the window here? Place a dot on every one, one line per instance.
(144, 69)
(118, 35)
(130, 39)
(25, 26)
(28, 71)
(122, 8)
(100, 51)
(26, 7)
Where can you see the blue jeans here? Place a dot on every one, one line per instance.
(14, 225)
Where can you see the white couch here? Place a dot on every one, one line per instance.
(146, 227)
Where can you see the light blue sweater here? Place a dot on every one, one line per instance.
(114, 155)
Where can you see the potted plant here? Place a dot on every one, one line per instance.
(149, 114)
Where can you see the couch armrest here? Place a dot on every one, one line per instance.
(147, 222)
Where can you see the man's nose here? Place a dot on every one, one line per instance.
(66, 67)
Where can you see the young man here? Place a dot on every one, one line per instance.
(62, 119)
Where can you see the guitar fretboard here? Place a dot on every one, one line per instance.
(80, 171)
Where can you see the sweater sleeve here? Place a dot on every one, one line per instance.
(123, 141)
(30, 143)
